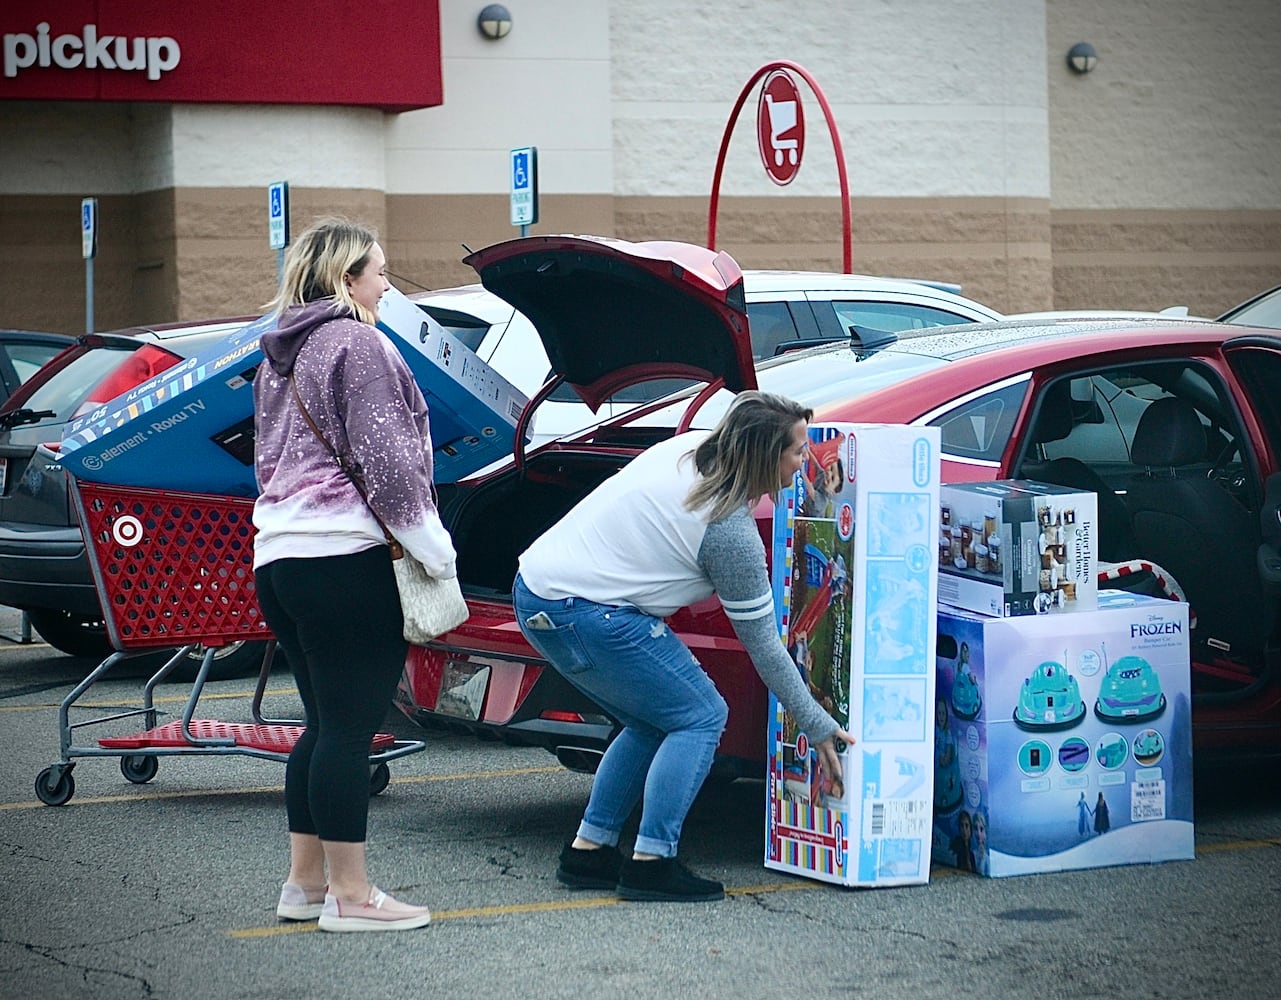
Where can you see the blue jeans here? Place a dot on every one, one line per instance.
(632, 666)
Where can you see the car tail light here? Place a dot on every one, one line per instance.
(554, 715)
(145, 363)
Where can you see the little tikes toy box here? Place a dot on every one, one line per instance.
(1064, 741)
(191, 427)
(855, 584)
(1016, 547)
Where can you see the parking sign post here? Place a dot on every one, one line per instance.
(88, 250)
(524, 187)
(278, 223)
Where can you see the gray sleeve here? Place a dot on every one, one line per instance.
(733, 557)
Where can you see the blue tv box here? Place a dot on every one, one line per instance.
(191, 427)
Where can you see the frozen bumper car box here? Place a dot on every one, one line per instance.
(1071, 737)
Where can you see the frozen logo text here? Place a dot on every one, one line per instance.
(90, 50)
(1156, 627)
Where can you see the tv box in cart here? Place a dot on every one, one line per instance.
(191, 427)
(855, 585)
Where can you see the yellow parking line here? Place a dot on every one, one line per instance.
(550, 906)
(414, 779)
(598, 902)
(1237, 845)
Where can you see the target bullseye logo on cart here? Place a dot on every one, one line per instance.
(127, 530)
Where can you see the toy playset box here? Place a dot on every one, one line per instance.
(1016, 547)
(191, 427)
(855, 585)
(1065, 741)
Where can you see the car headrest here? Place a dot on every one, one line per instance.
(1169, 433)
(1054, 419)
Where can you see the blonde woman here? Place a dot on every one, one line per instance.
(321, 561)
(673, 527)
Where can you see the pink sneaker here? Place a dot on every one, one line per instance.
(380, 913)
(297, 903)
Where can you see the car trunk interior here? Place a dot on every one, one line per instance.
(493, 523)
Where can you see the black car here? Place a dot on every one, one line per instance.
(44, 570)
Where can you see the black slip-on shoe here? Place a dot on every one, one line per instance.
(666, 880)
(595, 868)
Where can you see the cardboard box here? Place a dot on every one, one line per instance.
(1015, 547)
(855, 584)
(1064, 742)
(191, 427)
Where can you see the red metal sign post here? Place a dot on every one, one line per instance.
(780, 133)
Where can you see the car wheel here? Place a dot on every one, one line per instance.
(75, 635)
(236, 659)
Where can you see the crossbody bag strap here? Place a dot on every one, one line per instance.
(396, 549)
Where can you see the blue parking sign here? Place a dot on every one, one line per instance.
(88, 228)
(524, 186)
(278, 215)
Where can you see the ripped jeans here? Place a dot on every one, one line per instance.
(632, 666)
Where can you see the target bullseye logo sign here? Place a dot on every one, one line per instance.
(127, 530)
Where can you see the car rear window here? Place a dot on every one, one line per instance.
(67, 388)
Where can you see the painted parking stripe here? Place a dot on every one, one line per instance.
(413, 779)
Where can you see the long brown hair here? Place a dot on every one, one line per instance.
(738, 462)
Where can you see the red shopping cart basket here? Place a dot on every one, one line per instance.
(174, 570)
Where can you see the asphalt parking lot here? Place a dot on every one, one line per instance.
(168, 889)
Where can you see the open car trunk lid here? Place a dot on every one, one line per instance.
(611, 313)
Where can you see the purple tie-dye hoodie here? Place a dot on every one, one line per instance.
(361, 395)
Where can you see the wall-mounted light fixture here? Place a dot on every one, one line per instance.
(1081, 57)
(495, 21)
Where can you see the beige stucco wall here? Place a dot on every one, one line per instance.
(973, 155)
(1164, 159)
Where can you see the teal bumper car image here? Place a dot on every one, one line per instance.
(1049, 699)
(1131, 692)
(966, 700)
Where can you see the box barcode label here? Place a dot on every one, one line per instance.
(1147, 801)
(895, 818)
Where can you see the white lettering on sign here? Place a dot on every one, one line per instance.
(88, 49)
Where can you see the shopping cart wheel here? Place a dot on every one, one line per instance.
(379, 776)
(139, 768)
(55, 787)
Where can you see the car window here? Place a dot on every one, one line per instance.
(30, 358)
(1263, 311)
(772, 327)
(894, 317)
(1106, 407)
(67, 388)
(980, 426)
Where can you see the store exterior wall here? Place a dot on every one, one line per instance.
(973, 156)
(1164, 157)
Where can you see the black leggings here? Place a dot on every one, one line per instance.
(338, 621)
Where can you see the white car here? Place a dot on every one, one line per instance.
(787, 310)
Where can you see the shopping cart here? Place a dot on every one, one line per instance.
(175, 571)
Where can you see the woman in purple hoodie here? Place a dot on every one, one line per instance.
(321, 561)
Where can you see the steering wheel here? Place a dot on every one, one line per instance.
(1227, 473)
